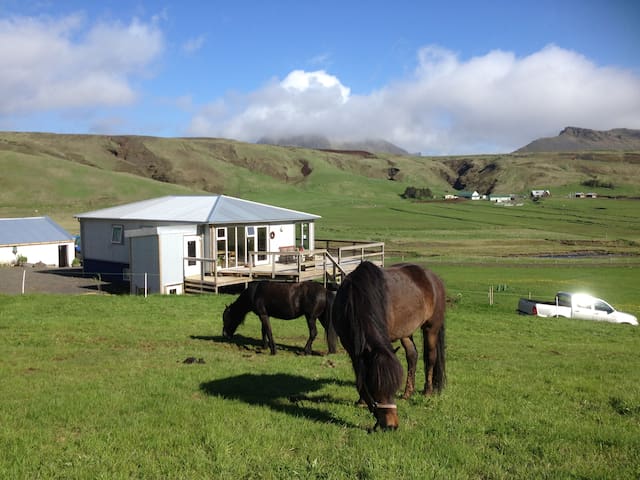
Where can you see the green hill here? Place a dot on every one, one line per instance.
(63, 175)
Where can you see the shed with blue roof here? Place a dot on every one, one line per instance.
(35, 240)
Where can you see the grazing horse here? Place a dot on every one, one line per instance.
(374, 307)
(286, 301)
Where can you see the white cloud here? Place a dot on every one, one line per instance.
(59, 64)
(492, 103)
(194, 44)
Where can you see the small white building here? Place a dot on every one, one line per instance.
(540, 193)
(470, 195)
(36, 239)
(148, 242)
(496, 198)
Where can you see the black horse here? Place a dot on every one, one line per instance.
(286, 301)
(374, 307)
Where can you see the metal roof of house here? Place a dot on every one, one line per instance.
(213, 209)
(22, 231)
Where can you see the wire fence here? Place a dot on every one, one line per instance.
(28, 282)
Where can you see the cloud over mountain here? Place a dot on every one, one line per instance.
(494, 102)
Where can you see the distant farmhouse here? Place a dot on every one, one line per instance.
(540, 193)
(35, 240)
(470, 195)
(495, 198)
(585, 195)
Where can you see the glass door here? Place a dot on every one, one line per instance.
(257, 242)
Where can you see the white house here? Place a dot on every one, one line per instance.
(496, 198)
(36, 239)
(540, 193)
(470, 195)
(147, 242)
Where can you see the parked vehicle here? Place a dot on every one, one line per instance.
(576, 305)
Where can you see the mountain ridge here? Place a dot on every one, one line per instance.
(321, 142)
(578, 139)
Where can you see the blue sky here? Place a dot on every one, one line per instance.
(432, 77)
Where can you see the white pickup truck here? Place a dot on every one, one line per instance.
(576, 305)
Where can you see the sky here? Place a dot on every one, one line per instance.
(432, 77)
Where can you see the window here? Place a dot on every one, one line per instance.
(603, 307)
(117, 234)
(191, 251)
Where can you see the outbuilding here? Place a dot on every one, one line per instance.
(156, 243)
(35, 240)
(469, 195)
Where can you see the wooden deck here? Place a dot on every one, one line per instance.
(293, 267)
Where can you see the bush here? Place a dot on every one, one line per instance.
(417, 193)
(595, 182)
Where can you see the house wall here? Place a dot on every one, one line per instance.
(283, 236)
(172, 260)
(46, 253)
(99, 254)
(159, 253)
(144, 260)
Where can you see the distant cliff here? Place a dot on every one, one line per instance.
(321, 142)
(574, 139)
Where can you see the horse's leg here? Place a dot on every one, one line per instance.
(327, 324)
(430, 340)
(313, 333)
(267, 335)
(411, 354)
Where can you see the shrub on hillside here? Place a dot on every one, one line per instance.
(595, 182)
(417, 193)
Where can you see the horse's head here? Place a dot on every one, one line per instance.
(378, 379)
(386, 415)
(229, 322)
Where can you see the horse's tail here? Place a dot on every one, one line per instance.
(439, 368)
(329, 328)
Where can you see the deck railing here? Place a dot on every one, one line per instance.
(332, 262)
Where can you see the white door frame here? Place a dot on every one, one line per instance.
(192, 267)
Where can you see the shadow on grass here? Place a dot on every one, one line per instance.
(284, 393)
(253, 345)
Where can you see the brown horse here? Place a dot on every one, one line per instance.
(287, 301)
(374, 307)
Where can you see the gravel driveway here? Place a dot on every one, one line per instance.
(51, 280)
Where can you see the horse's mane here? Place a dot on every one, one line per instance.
(243, 304)
(366, 307)
(361, 310)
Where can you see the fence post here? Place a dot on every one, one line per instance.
(24, 274)
(145, 284)
(491, 295)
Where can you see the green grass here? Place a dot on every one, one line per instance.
(95, 387)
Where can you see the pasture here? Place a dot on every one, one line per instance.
(95, 386)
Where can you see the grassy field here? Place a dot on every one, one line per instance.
(96, 387)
